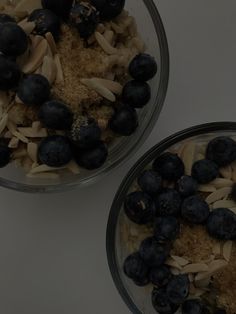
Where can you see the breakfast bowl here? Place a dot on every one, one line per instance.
(85, 119)
(172, 226)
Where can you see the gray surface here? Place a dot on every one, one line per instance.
(53, 259)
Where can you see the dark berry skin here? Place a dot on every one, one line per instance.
(221, 224)
(85, 132)
(139, 207)
(168, 203)
(135, 268)
(205, 171)
(55, 115)
(161, 302)
(85, 18)
(143, 67)
(169, 166)
(153, 253)
(221, 150)
(136, 94)
(124, 121)
(13, 40)
(194, 306)
(10, 74)
(150, 182)
(55, 151)
(34, 89)
(5, 18)
(160, 276)
(187, 186)
(108, 9)
(93, 157)
(178, 289)
(166, 228)
(5, 155)
(195, 210)
(60, 7)
(46, 21)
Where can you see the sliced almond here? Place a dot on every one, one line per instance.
(188, 156)
(139, 44)
(195, 268)
(180, 260)
(221, 183)
(44, 168)
(28, 5)
(174, 271)
(217, 265)
(180, 149)
(44, 175)
(233, 209)
(224, 204)
(191, 277)
(103, 91)
(171, 262)
(109, 36)
(117, 28)
(32, 133)
(226, 172)
(51, 42)
(36, 57)
(21, 61)
(199, 292)
(19, 15)
(73, 167)
(60, 76)
(32, 149)
(105, 45)
(49, 69)
(27, 27)
(36, 40)
(227, 250)
(113, 86)
(8, 135)
(199, 156)
(36, 125)
(3, 122)
(14, 142)
(204, 283)
(216, 250)
(218, 195)
(20, 136)
(206, 188)
(133, 29)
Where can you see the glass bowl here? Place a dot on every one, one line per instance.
(120, 230)
(152, 31)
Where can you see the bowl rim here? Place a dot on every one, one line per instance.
(125, 185)
(158, 103)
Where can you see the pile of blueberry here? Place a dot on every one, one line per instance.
(164, 208)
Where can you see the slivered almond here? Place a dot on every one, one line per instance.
(103, 91)
(28, 5)
(32, 149)
(51, 42)
(139, 44)
(218, 195)
(36, 125)
(217, 264)
(44, 175)
(216, 250)
(49, 69)
(233, 209)
(14, 142)
(191, 277)
(198, 292)
(174, 271)
(60, 76)
(224, 204)
(8, 134)
(206, 188)
(113, 86)
(201, 148)
(132, 29)
(188, 156)
(20, 136)
(19, 15)
(32, 133)
(227, 249)
(195, 268)
(36, 57)
(23, 59)
(3, 122)
(73, 167)
(109, 36)
(117, 28)
(44, 168)
(171, 262)
(105, 45)
(221, 183)
(226, 172)
(199, 156)
(180, 260)
(36, 40)
(27, 27)
(204, 283)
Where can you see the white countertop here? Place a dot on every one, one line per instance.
(53, 259)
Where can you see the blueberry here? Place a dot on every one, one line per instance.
(135, 268)
(60, 7)
(187, 186)
(13, 40)
(5, 18)
(136, 94)
(55, 151)
(34, 89)
(55, 115)
(166, 228)
(108, 9)
(124, 121)
(150, 182)
(93, 157)
(85, 18)
(46, 21)
(169, 166)
(5, 155)
(178, 289)
(139, 207)
(221, 224)
(221, 150)
(194, 306)
(161, 302)
(10, 74)
(153, 253)
(85, 132)
(205, 171)
(195, 210)
(168, 203)
(160, 276)
(143, 67)
(220, 311)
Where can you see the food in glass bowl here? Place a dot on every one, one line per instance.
(172, 228)
(73, 78)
